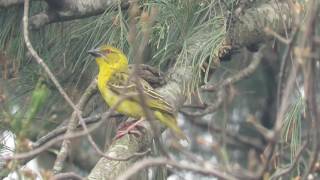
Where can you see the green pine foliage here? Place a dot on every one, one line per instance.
(188, 31)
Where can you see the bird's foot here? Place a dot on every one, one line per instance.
(132, 127)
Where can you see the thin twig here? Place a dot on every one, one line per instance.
(138, 60)
(210, 107)
(275, 132)
(73, 135)
(284, 62)
(39, 59)
(310, 83)
(276, 35)
(267, 134)
(145, 163)
(67, 175)
(59, 87)
(77, 112)
(98, 150)
(72, 125)
(257, 57)
(61, 130)
(95, 146)
(293, 164)
(235, 136)
(50, 143)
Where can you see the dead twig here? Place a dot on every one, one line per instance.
(210, 107)
(257, 57)
(50, 143)
(61, 130)
(284, 62)
(67, 175)
(293, 164)
(234, 136)
(86, 131)
(150, 162)
(72, 125)
(77, 112)
(39, 60)
(98, 150)
(148, 21)
(95, 146)
(310, 82)
(277, 36)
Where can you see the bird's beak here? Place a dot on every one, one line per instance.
(95, 52)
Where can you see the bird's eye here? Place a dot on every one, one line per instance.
(108, 51)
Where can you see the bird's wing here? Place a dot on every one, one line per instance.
(121, 84)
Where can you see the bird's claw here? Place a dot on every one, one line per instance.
(129, 128)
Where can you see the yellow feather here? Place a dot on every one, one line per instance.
(114, 82)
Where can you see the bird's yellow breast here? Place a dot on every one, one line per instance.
(126, 107)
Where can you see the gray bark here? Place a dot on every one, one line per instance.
(64, 10)
(8, 3)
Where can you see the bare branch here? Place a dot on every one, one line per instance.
(86, 131)
(210, 107)
(60, 131)
(234, 136)
(140, 165)
(257, 57)
(8, 3)
(310, 83)
(278, 19)
(39, 60)
(65, 10)
(68, 175)
(284, 63)
(50, 143)
(72, 125)
(293, 164)
(77, 112)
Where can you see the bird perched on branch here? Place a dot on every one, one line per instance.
(114, 82)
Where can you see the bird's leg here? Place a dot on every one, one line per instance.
(131, 127)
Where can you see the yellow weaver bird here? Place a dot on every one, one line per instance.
(114, 82)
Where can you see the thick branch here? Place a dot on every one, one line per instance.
(249, 28)
(207, 171)
(8, 3)
(64, 10)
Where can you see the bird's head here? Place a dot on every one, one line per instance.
(109, 55)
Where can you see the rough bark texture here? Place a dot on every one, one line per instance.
(121, 148)
(8, 3)
(249, 28)
(64, 10)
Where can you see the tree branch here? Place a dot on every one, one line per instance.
(8, 3)
(249, 29)
(65, 10)
(72, 125)
(164, 161)
(69, 175)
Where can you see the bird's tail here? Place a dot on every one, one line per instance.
(171, 122)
